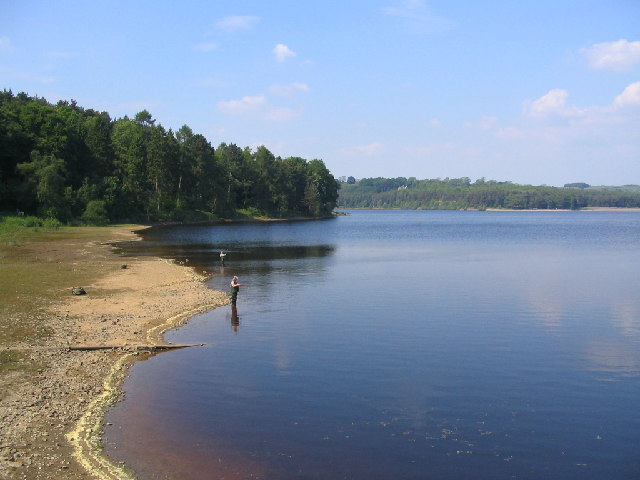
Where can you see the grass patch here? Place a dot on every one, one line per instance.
(42, 267)
(16, 361)
(40, 262)
(13, 230)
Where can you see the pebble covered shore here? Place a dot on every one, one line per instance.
(51, 420)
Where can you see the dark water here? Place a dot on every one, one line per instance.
(399, 345)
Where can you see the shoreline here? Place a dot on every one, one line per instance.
(51, 419)
(585, 209)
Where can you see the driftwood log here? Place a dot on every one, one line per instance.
(146, 348)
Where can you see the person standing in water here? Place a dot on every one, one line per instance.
(235, 288)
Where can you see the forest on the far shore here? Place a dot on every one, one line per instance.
(78, 165)
(461, 193)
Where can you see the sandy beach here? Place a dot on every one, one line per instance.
(54, 396)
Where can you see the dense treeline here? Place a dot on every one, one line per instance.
(460, 193)
(69, 163)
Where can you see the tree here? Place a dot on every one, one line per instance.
(46, 175)
(65, 161)
(200, 179)
(129, 166)
(266, 189)
(321, 193)
(97, 137)
(294, 182)
(144, 119)
(96, 213)
(162, 162)
(238, 177)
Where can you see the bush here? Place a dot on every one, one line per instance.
(95, 213)
(53, 223)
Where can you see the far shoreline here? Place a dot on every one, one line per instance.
(585, 209)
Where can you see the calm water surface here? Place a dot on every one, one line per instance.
(399, 345)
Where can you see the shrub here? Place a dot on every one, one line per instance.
(95, 213)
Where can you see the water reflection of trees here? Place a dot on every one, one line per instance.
(207, 256)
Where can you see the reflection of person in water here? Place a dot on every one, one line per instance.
(235, 319)
(235, 288)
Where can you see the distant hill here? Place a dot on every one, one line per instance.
(461, 193)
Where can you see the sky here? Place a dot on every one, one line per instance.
(535, 92)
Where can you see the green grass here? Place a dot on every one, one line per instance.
(40, 264)
(40, 261)
(14, 229)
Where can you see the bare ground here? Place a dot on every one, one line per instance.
(52, 399)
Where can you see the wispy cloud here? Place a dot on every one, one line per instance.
(211, 82)
(5, 43)
(428, 150)
(246, 104)
(368, 150)
(237, 22)
(484, 123)
(281, 113)
(620, 56)
(58, 55)
(282, 52)
(289, 89)
(206, 47)
(13, 73)
(257, 106)
(131, 108)
(418, 15)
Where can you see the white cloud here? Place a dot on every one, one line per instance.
(630, 97)
(244, 105)
(551, 119)
(289, 90)
(237, 22)
(561, 137)
(553, 103)
(206, 46)
(618, 56)
(282, 52)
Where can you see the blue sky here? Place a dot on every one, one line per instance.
(535, 92)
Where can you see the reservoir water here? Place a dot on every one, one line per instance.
(398, 345)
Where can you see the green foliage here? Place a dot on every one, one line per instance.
(14, 228)
(95, 213)
(460, 193)
(68, 163)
